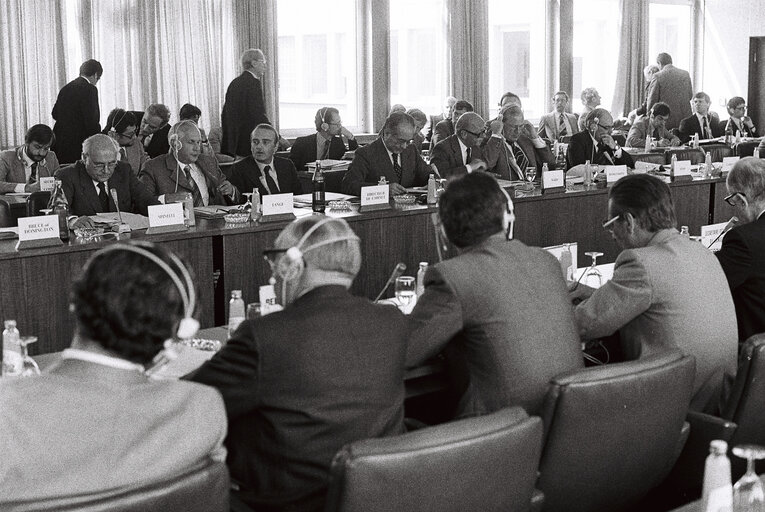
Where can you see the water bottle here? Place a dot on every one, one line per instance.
(256, 208)
(647, 148)
(672, 165)
(432, 189)
(545, 168)
(729, 134)
(708, 165)
(13, 362)
(420, 287)
(60, 207)
(718, 491)
(684, 231)
(756, 152)
(587, 174)
(318, 196)
(235, 310)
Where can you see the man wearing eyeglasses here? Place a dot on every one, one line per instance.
(153, 127)
(326, 143)
(666, 291)
(596, 144)
(392, 156)
(742, 255)
(88, 182)
(121, 126)
(446, 127)
(21, 168)
(739, 121)
(653, 125)
(460, 153)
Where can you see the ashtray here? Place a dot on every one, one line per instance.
(339, 206)
(237, 218)
(404, 199)
(88, 233)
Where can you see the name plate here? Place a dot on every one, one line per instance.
(710, 234)
(728, 162)
(615, 172)
(682, 168)
(553, 181)
(46, 183)
(567, 256)
(277, 207)
(39, 231)
(165, 218)
(267, 297)
(376, 197)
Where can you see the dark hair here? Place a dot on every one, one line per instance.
(119, 119)
(472, 208)
(396, 119)
(660, 109)
(463, 105)
(127, 303)
(647, 198)
(663, 59)
(735, 101)
(509, 95)
(40, 133)
(91, 67)
(188, 111)
(703, 96)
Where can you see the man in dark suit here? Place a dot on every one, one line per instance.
(300, 383)
(499, 308)
(87, 183)
(77, 113)
(738, 120)
(433, 121)
(326, 143)
(460, 154)
(672, 86)
(391, 156)
(153, 129)
(262, 170)
(22, 168)
(703, 122)
(244, 107)
(742, 255)
(596, 144)
(185, 169)
(446, 127)
(517, 147)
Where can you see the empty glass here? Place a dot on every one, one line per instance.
(748, 495)
(405, 290)
(531, 173)
(29, 367)
(592, 276)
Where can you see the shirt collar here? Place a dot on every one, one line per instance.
(262, 166)
(28, 162)
(102, 359)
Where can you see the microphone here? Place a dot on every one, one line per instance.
(124, 228)
(730, 225)
(397, 272)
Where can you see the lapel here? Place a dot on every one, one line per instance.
(172, 168)
(382, 161)
(454, 146)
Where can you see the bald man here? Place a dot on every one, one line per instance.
(185, 169)
(460, 154)
(244, 107)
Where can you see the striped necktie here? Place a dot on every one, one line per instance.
(520, 158)
(562, 132)
(195, 193)
(397, 168)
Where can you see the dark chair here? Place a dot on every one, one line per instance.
(613, 432)
(36, 202)
(204, 489)
(696, 156)
(486, 463)
(746, 148)
(6, 219)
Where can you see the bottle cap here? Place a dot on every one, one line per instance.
(10, 324)
(236, 294)
(718, 446)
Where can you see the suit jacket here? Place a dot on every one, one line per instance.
(243, 110)
(159, 143)
(77, 117)
(303, 150)
(301, 383)
(245, 175)
(12, 168)
(136, 156)
(83, 197)
(691, 125)
(656, 300)
(742, 257)
(372, 161)
(639, 132)
(505, 309)
(447, 157)
(161, 175)
(672, 86)
(498, 157)
(582, 148)
(442, 130)
(431, 126)
(82, 428)
(744, 129)
(548, 125)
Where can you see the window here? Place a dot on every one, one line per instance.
(669, 31)
(317, 62)
(517, 53)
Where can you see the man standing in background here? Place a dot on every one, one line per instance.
(244, 107)
(672, 86)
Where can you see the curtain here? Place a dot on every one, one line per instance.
(469, 43)
(629, 91)
(32, 65)
(255, 27)
(160, 51)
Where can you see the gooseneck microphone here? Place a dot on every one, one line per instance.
(397, 272)
(123, 228)
(730, 225)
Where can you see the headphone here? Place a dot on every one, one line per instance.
(116, 147)
(323, 116)
(176, 144)
(292, 264)
(188, 325)
(113, 128)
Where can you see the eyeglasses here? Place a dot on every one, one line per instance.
(741, 108)
(474, 134)
(272, 256)
(729, 198)
(606, 127)
(104, 165)
(128, 135)
(608, 225)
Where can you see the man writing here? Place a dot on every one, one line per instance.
(653, 125)
(326, 143)
(22, 168)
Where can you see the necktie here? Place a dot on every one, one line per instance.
(562, 132)
(521, 160)
(103, 197)
(123, 155)
(33, 174)
(270, 180)
(705, 128)
(467, 156)
(397, 167)
(325, 151)
(195, 193)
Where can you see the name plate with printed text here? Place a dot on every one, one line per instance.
(376, 197)
(712, 237)
(267, 297)
(46, 183)
(166, 218)
(39, 231)
(614, 173)
(553, 182)
(277, 207)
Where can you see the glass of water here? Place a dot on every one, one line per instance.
(405, 290)
(748, 494)
(592, 276)
(29, 366)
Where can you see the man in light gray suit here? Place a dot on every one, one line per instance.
(558, 123)
(667, 290)
(672, 86)
(498, 310)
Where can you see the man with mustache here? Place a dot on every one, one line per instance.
(22, 168)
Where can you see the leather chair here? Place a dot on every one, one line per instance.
(204, 489)
(6, 219)
(696, 156)
(36, 202)
(613, 432)
(485, 463)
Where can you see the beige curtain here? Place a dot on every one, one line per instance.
(469, 42)
(633, 57)
(255, 27)
(32, 65)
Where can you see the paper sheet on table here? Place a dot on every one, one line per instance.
(307, 199)
(333, 165)
(508, 183)
(643, 167)
(11, 232)
(133, 220)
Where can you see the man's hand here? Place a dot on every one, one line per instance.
(345, 132)
(663, 143)
(608, 141)
(83, 222)
(529, 130)
(32, 187)
(396, 189)
(478, 165)
(579, 292)
(496, 125)
(227, 189)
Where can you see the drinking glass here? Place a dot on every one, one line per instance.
(253, 310)
(46, 211)
(748, 495)
(29, 367)
(405, 290)
(531, 173)
(592, 276)
(248, 205)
